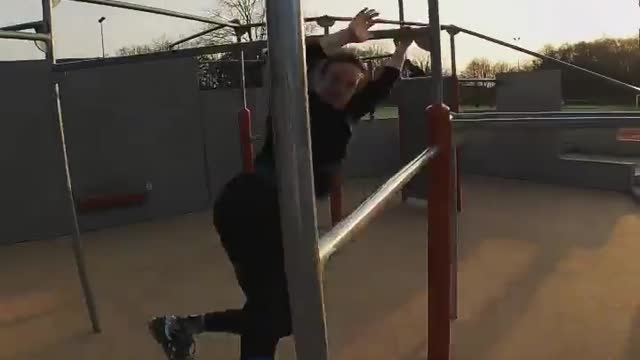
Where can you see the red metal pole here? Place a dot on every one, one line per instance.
(336, 199)
(458, 185)
(440, 234)
(246, 139)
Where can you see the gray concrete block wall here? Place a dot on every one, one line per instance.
(32, 183)
(374, 150)
(529, 91)
(129, 125)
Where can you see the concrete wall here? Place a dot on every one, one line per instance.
(532, 154)
(130, 125)
(529, 91)
(220, 117)
(32, 182)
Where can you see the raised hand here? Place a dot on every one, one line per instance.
(360, 25)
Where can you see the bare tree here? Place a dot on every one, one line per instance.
(243, 12)
(159, 44)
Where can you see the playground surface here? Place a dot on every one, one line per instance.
(545, 272)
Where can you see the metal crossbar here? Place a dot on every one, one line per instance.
(191, 52)
(344, 231)
(545, 114)
(158, 11)
(18, 35)
(579, 122)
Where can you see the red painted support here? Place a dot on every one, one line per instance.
(440, 234)
(458, 185)
(246, 139)
(103, 202)
(336, 200)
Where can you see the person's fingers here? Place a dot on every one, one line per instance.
(372, 13)
(361, 13)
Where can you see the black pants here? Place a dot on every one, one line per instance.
(247, 217)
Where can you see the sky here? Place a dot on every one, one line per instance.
(535, 22)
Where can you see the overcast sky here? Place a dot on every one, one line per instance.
(535, 22)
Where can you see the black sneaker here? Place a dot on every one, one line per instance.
(176, 341)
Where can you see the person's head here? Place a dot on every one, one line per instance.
(339, 78)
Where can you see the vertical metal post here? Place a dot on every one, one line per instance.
(75, 229)
(327, 30)
(243, 81)
(440, 234)
(436, 51)
(455, 84)
(401, 10)
(295, 176)
(454, 67)
(102, 38)
(244, 122)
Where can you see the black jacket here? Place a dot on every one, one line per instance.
(330, 128)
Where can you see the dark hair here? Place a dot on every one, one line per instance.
(343, 57)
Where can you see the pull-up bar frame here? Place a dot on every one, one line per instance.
(18, 35)
(158, 11)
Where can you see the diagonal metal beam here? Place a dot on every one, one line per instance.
(17, 35)
(158, 11)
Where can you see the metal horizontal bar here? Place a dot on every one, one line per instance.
(541, 56)
(190, 52)
(377, 21)
(17, 35)
(574, 122)
(344, 231)
(544, 114)
(196, 35)
(24, 26)
(158, 11)
(376, 57)
(345, 19)
(162, 55)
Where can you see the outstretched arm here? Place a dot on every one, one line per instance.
(366, 100)
(357, 32)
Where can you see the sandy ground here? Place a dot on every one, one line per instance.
(545, 273)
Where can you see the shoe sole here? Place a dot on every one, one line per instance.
(158, 334)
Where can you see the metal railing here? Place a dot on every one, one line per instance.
(543, 114)
(158, 11)
(344, 231)
(573, 122)
(18, 35)
(190, 52)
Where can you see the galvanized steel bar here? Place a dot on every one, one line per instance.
(436, 52)
(196, 35)
(190, 52)
(71, 207)
(343, 232)
(18, 35)
(157, 11)
(559, 114)
(162, 55)
(348, 19)
(35, 25)
(295, 177)
(585, 122)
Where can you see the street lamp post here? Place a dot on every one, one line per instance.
(517, 39)
(100, 21)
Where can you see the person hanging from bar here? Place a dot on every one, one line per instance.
(246, 213)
